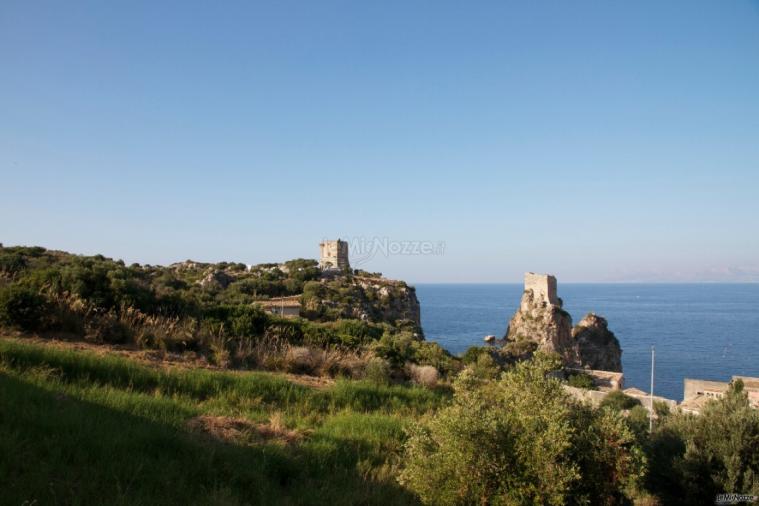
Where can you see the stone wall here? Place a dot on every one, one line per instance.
(543, 287)
(333, 254)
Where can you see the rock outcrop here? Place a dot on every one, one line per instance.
(373, 299)
(545, 324)
(598, 346)
(216, 279)
(542, 324)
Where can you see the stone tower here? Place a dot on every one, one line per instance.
(543, 288)
(333, 255)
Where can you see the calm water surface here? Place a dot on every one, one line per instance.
(707, 331)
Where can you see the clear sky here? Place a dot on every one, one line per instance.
(600, 141)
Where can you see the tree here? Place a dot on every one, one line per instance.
(21, 307)
(696, 457)
(520, 440)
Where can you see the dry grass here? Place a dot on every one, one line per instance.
(238, 430)
(174, 337)
(424, 375)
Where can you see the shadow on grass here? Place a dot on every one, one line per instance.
(60, 450)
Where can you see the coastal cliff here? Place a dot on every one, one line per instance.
(368, 298)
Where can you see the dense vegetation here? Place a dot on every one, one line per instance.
(403, 422)
(211, 310)
(76, 427)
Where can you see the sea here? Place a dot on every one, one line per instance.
(704, 331)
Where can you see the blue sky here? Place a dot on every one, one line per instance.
(600, 141)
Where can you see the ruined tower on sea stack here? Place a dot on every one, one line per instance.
(543, 288)
(333, 255)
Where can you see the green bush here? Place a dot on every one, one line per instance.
(520, 440)
(432, 354)
(248, 321)
(581, 380)
(378, 371)
(618, 401)
(521, 348)
(696, 457)
(472, 354)
(397, 349)
(485, 367)
(12, 262)
(21, 307)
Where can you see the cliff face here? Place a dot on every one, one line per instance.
(598, 346)
(374, 299)
(545, 324)
(541, 323)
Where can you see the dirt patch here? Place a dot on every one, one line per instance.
(238, 430)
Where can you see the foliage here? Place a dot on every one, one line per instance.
(696, 457)
(101, 429)
(104, 300)
(520, 440)
(472, 354)
(378, 371)
(618, 401)
(21, 307)
(581, 380)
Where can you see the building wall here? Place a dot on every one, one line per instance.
(694, 387)
(287, 311)
(543, 287)
(334, 254)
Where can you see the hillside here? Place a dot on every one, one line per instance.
(220, 311)
(78, 427)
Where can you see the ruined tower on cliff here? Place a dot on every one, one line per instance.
(543, 288)
(333, 255)
(541, 323)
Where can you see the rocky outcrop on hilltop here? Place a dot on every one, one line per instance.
(216, 279)
(598, 346)
(545, 324)
(394, 300)
(374, 299)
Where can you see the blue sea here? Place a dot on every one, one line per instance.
(706, 331)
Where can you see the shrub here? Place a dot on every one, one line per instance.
(300, 360)
(356, 332)
(697, 456)
(618, 401)
(432, 354)
(485, 367)
(581, 380)
(395, 348)
(21, 307)
(521, 348)
(248, 321)
(472, 354)
(12, 262)
(520, 440)
(377, 371)
(424, 375)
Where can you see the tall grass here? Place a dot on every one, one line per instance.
(81, 428)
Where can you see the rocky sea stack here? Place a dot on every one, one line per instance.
(541, 323)
(598, 346)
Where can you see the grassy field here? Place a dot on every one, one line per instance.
(82, 428)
